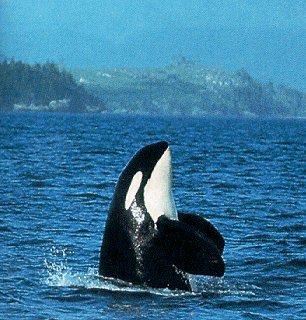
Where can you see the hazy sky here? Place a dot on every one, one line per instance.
(266, 37)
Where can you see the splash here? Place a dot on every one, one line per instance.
(56, 267)
(58, 273)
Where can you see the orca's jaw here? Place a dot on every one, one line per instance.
(146, 183)
(157, 194)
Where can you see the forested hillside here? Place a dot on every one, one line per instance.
(42, 88)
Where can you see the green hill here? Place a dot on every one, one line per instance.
(185, 88)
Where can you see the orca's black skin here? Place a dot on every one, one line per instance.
(124, 238)
(176, 249)
(204, 227)
(157, 254)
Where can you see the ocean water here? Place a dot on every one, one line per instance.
(57, 176)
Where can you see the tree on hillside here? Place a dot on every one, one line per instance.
(22, 83)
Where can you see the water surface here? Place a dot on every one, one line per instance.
(58, 173)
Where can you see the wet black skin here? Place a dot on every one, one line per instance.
(124, 238)
(179, 248)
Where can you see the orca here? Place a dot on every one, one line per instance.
(146, 240)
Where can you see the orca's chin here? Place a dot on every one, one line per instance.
(158, 196)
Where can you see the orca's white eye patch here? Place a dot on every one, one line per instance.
(133, 188)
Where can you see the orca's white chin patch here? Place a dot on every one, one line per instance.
(158, 197)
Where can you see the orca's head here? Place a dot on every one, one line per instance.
(145, 184)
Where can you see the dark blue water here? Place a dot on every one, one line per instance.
(57, 177)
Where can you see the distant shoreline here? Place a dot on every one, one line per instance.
(147, 116)
(183, 89)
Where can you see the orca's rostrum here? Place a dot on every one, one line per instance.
(146, 241)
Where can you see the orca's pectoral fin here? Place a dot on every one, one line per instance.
(186, 249)
(204, 227)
